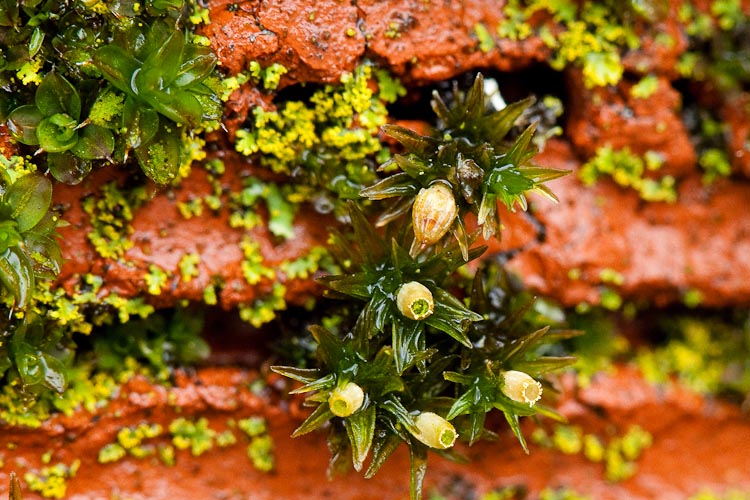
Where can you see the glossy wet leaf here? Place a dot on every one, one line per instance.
(29, 197)
(383, 447)
(23, 122)
(418, 469)
(117, 66)
(94, 143)
(304, 375)
(45, 255)
(196, 68)
(53, 372)
(36, 41)
(360, 428)
(160, 158)
(68, 168)
(16, 275)
(399, 184)
(56, 95)
(140, 124)
(317, 418)
(9, 235)
(166, 60)
(9, 13)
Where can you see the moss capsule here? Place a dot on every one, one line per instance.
(346, 399)
(519, 386)
(414, 300)
(433, 213)
(435, 431)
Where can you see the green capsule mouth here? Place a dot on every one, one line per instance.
(447, 438)
(420, 308)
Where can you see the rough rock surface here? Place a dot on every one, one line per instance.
(697, 445)
(700, 243)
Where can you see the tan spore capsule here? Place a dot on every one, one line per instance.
(415, 301)
(433, 213)
(346, 399)
(435, 431)
(521, 387)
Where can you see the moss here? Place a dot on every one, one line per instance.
(191, 208)
(188, 266)
(619, 454)
(645, 88)
(729, 494)
(702, 354)
(156, 279)
(264, 310)
(305, 266)
(110, 214)
(111, 452)
(591, 37)
(260, 452)
(715, 163)
(253, 268)
(269, 76)
(253, 426)
(51, 482)
(562, 494)
(610, 299)
(609, 275)
(194, 435)
(486, 42)
(628, 170)
(328, 141)
(692, 298)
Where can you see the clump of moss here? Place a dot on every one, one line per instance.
(705, 354)
(90, 84)
(627, 170)
(619, 454)
(329, 144)
(426, 355)
(592, 36)
(51, 481)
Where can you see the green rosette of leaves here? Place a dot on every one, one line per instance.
(54, 124)
(161, 76)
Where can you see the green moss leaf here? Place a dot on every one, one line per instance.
(29, 197)
(23, 122)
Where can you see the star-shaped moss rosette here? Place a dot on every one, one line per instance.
(504, 370)
(402, 292)
(470, 165)
(371, 407)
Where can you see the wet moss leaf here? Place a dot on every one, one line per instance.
(23, 122)
(68, 168)
(317, 418)
(117, 66)
(16, 275)
(360, 428)
(56, 95)
(29, 197)
(94, 143)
